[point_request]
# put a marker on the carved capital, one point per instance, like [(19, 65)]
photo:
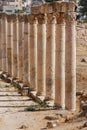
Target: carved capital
[(31, 19), (70, 17), (35, 20), (21, 18), (42, 19), (10, 18), (60, 18), (14, 18), (26, 18)]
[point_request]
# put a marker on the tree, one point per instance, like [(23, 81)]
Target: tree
[(83, 7)]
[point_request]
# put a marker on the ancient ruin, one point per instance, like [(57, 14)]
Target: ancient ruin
[(40, 50)]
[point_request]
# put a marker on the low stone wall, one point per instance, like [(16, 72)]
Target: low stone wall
[(40, 50)]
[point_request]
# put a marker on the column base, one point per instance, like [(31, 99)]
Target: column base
[(41, 98), (50, 103)]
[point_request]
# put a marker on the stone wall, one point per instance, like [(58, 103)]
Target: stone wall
[(40, 50)]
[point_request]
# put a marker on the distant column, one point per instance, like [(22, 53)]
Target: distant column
[(14, 49), (0, 43), (20, 47), (33, 54), (35, 49), (62, 62), (50, 58), (9, 46), (71, 62), (25, 52), (41, 57), (3, 39)]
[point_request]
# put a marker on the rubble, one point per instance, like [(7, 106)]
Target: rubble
[(52, 124), (51, 118)]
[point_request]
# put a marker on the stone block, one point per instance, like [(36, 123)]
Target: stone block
[(52, 124)]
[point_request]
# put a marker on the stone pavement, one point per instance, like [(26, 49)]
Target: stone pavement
[(11, 100)]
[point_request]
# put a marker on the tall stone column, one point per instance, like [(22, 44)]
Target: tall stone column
[(50, 58), (20, 47), (9, 46), (33, 54), (70, 62), (14, 48), (29, 51), (60, 64), (25, 51), (35, 49), (41, 57), (3, 46), (0, 43), (6, 41)]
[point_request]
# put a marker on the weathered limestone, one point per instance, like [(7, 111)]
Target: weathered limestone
[(20, 48), (41, 67), (9, 46), (3, 38), (61, 64), (41, 51), (25, 53), (33, 53), (50, 66), (35, 49), (14, 48), (62, 41), (0, 45), (71, 62)]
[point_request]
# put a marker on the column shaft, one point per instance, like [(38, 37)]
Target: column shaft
[(71, 66), (25, 60), (33, 55), (57, 67), (35, 50), (0, 44), (44, 58), (39, 61), (62, 67), (9, 53), (41, 84), (50, 60), (14, 49), (3, 37), (20, 51), (29, 52)]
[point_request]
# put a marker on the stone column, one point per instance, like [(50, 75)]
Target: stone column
[(41, 57), (29, 52), (9, 42), (14, 48), (25, 51), (33, 53), (20, 47), (3, 37), (60, 64), (35, 49), (70, 62), (0, 43), (6, 42), (73, 65), (50, 58)]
